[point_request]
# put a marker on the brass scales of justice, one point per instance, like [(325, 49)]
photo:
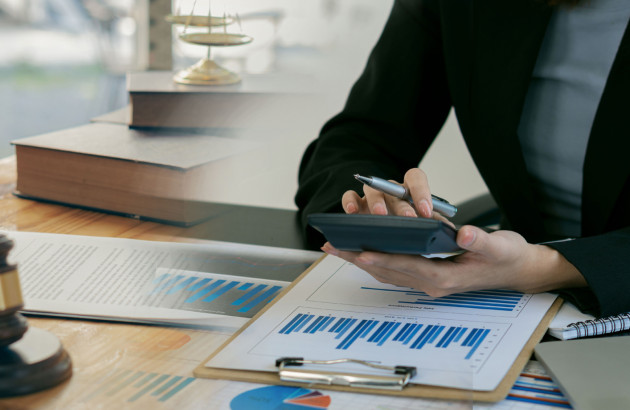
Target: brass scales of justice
[(206, 71)]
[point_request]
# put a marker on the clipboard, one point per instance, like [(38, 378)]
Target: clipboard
[(411, 390)]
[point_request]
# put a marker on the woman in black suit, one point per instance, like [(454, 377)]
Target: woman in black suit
[(541, 93)]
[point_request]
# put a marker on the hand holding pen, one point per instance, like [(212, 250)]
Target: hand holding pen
[(376, 203)]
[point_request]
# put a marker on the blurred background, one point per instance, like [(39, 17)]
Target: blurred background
[(63, 62)]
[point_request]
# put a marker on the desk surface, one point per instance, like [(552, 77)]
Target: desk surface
[(121, 364), (140, 366)]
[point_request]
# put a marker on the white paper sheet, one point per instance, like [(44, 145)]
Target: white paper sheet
[(338, 311), (209, 284)]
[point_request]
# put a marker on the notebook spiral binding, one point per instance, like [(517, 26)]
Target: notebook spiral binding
[(601, 326)]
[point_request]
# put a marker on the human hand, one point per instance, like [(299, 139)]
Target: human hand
[(378, 203), (497, 260)]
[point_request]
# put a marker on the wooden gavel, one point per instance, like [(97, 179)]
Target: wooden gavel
[(30, 359)]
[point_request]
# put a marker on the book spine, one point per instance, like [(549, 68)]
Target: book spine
[(602, 326)]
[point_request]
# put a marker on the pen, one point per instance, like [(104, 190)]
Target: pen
[(439, 205)]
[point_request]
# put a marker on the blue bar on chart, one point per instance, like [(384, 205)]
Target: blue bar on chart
[(212, 293), (416, 336), (497, 300)]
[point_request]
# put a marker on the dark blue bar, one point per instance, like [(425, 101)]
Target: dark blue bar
[(503, 293), (475, 337), (435, 334), (369, 328), (413, 332), (406, 332), (345, 328), (455, 305), (538, 401), (484, 333), (486, 295), (347, 342), (427, 337), (303, 323), (291, 323), (388, 325), (221, 291), (400, 334), (315, 323), (460, 334), (421, 337), (199, 284), (475, 301), (388, 334), (296, 324), (539, 391), (378, 332), (246, 286), (448, 341), (483, 298), (248, 295), (260, 298), (470, 336), (203, 292), (448, 335), (167, 284), (325, 324), (336, 326)]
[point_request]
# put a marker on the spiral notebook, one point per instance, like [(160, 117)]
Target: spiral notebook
[(570, 323)]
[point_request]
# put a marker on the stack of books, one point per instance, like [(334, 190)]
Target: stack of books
[(153, 160)]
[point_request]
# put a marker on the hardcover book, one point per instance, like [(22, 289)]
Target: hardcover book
[(157, 175), (260, 101)]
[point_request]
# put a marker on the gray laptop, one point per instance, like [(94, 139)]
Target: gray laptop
[(592, 373)]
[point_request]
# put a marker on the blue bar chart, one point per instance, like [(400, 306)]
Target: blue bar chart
[(462, 344), (499, 302), (211, 293), (347, 331)]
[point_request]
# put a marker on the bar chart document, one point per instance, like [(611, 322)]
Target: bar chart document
[(198, 284), (466, 340)]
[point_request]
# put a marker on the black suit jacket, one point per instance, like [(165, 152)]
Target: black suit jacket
[(477, 56)]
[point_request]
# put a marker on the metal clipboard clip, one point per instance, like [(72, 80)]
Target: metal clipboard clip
[(401, 377)]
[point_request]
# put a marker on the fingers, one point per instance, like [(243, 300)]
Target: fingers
[(352, 203), (378, 203), (477, 240), (375, 201), (440, 217), (401, 270), (418, 185), (399, 207)]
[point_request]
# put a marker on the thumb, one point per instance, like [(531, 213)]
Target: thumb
[(473, 239)]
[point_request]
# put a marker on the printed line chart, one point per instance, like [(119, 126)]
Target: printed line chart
[(211, 292)]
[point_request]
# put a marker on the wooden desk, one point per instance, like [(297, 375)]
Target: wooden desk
[(132, 365)]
